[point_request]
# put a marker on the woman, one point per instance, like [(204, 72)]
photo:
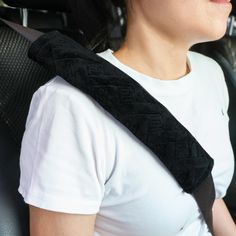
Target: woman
[(83, 173)]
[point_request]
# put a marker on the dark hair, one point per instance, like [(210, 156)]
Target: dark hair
[(102, 22)]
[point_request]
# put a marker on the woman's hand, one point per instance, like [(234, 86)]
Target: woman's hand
[(223, 223)]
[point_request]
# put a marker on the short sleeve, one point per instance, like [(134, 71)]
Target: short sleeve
[(59, 166)]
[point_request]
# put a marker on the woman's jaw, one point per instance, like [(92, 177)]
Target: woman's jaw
[(189, 21)]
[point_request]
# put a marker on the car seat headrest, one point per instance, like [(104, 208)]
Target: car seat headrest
[(90, 16), (54, 5)]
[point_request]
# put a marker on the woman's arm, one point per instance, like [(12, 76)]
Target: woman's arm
[(51, 223), (223, 223)]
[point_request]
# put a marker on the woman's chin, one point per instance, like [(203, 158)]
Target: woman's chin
[(218, 33), (214, 33)]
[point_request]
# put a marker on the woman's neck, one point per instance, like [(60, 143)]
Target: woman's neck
[(153, 53)]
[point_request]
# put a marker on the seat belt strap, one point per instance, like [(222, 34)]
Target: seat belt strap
[(28, 33)]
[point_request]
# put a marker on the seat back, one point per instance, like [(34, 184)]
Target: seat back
[(17, 73), (14, 216)]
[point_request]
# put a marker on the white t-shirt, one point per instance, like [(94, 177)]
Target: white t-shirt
[(77, 158)]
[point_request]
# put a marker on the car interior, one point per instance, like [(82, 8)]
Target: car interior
[(18, 73)]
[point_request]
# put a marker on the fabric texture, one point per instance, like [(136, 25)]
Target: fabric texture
[(76, 138)]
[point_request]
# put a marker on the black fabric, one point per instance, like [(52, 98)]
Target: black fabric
[(134, 107)]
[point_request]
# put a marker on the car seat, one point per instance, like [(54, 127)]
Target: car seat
[(18, 72)]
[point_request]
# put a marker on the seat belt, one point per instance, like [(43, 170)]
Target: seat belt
[(204, 193), (28, 33)]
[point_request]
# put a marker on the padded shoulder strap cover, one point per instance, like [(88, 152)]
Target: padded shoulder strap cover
[(135, 108)]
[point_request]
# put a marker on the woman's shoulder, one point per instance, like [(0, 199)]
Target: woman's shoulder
[(58, 89), (208, 68), (58, 98), (59, 86), (213, 75), (204, 60)]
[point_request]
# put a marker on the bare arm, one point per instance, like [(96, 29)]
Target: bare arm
[(223, 223), (51, 223)]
